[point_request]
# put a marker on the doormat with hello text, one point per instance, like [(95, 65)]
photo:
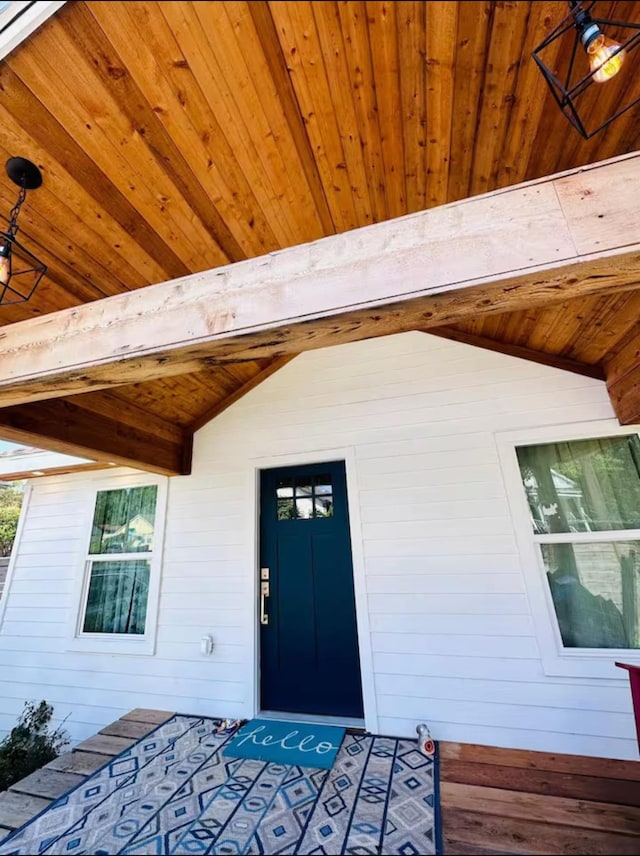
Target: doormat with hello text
[(287, 743)]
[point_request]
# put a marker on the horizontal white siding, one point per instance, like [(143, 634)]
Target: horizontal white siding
[(451, 633), (92, 689)]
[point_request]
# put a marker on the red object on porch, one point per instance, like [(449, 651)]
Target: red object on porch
[(634, 680)]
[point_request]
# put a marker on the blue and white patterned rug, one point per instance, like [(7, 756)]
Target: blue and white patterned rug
[(174, 792)]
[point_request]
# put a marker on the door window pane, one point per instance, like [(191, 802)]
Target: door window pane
[(303, 487), (285, 509), (304, 498), (117, 598), (583, 485), (304, 508), (123, 521), (595, 589), (323, 484), (285, 488), (323, 506)]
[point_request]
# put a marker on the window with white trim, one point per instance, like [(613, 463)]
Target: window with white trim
[(584, 503), (122, 569)]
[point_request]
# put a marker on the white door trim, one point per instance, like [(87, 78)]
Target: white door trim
[(252, 489)]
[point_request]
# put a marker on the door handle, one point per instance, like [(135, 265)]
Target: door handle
[(264, 593)]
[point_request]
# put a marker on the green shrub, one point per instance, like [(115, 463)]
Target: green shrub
[(30, 744), (10, 503)]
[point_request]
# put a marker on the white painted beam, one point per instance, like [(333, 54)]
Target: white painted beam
[(548, 240)]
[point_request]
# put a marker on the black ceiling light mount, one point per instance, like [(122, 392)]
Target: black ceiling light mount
[(20, 270), (576, 87)]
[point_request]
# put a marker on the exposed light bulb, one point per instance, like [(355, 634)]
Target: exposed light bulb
[(603, 65), (5, 265)]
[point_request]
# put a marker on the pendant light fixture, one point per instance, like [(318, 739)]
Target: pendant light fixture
[(20, 270), (582, 51)]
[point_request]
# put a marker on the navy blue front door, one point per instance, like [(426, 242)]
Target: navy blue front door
[(309, 645)]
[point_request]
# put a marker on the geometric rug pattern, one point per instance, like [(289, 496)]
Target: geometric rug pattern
[(175, 792)]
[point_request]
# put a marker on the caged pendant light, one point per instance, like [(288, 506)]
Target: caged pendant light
[(588, 56), (20, 270)]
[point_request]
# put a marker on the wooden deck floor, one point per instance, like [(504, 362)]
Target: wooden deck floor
[(494, 801), (503, 801), (34, 793)]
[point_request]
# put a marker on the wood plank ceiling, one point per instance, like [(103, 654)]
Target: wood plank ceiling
[(178, 137)]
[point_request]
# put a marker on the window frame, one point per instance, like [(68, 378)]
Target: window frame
[(556, 659), (119, 643)]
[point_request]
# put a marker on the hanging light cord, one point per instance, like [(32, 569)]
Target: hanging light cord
[(13, 216)]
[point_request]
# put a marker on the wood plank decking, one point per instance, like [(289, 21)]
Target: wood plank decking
[(494, 801), (34, 793), (503, 801)]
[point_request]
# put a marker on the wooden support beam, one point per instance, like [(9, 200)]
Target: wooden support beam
[(622, 368), (549, 240), (65, 426), (19, 474), (523, 353)]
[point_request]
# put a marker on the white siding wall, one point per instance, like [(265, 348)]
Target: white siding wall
[(451, 630)]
